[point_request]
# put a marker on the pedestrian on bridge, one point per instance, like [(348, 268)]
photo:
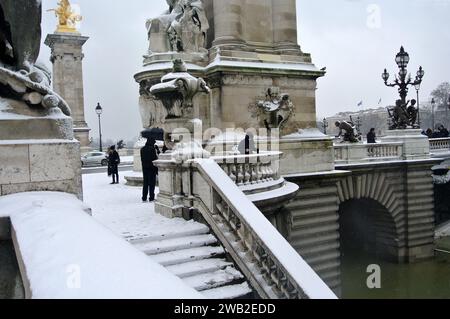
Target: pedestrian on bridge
[(371, 136), (113, 164), (149, 154)]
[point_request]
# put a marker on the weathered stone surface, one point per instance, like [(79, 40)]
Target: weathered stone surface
[(15, 165), (415, 145), (44, 165), (44, 156), (306, 156), (21, 26), (67, 59)]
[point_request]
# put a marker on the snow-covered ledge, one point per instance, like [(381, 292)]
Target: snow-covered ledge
[(65, 254), (269, 262)]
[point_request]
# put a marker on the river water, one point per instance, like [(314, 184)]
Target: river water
[(425, 280)]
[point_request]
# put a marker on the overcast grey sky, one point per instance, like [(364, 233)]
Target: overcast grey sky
[(354, 39)]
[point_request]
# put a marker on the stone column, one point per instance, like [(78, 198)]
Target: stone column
[(228, 23), (284, 15), (66, 57)]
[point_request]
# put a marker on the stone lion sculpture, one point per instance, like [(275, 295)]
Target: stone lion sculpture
[(24, 85)]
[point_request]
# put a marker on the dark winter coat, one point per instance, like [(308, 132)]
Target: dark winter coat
[(113, 163), (371, 138), (148, 156)]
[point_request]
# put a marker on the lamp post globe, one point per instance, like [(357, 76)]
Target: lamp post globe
[(385, 76), (402, 58), (420, 73), (98, 109)]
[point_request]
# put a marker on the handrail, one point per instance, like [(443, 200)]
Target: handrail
[(269, 262), (440, 144), (354, 153), (251, 169)]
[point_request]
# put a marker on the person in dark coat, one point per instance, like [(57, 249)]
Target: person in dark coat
[(443, 132), (371, 136), (113, 164), (247, 145), (149, 154)]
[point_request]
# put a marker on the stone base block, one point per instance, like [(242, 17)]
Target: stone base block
[(415, 145), (41, 128), (40, 165), (82, 135), (421, 253), (169, 211), (301, 155)]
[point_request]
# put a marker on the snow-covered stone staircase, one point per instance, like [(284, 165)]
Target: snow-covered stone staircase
[(199, 260)]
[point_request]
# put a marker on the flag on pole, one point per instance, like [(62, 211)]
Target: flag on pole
[(360, 104), (379, 102)]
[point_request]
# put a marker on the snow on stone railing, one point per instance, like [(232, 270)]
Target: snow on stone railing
[(271, 265), (440, 144), (63, 253), (246, 170), (360, 153)]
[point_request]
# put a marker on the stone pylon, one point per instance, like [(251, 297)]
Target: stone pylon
[(67, 59)]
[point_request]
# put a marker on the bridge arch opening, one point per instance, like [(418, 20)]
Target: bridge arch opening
[(367, 227)]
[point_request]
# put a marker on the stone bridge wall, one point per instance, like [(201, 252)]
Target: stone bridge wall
[(405, 189)]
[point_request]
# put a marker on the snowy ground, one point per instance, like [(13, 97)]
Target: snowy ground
[(119, 207), (127, 159)]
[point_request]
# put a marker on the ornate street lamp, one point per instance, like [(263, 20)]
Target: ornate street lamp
[(446, 112), (433, 105), (325, 126), (403, 80), (99, 112), (358, 124)]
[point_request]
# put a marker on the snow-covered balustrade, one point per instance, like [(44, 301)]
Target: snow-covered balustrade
[(360, 153), (440, 144), (270, 264), (252, 169), (64, 253)]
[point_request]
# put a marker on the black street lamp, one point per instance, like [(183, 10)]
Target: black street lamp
[(99, 112), (417, 86), (325, 126), (433, 105), (358, 124), (446, 111), (403, 80)]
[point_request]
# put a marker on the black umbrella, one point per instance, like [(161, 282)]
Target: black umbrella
[(156, 133)]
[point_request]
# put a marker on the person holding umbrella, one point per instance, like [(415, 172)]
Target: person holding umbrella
[(149, 154)]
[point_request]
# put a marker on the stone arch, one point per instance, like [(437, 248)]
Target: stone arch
[(374, 193), (374, 186)]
